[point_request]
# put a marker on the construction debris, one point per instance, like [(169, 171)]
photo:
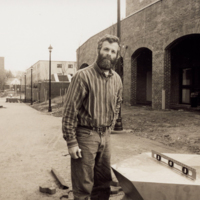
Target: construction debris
[(59, 179), (48, 190)]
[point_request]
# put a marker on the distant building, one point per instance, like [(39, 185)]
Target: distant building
[(2, 73), (12, 83), (1, 63), (40, 71)]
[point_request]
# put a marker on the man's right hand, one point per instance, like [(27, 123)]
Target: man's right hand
[(75, 152)]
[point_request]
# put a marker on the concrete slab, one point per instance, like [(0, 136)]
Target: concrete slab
[(142, 177), (12, 100)]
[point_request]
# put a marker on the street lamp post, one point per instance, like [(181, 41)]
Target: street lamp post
[(20, 88), (25, 88), (31, 84), (50, 49)]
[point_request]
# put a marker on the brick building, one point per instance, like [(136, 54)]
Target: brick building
[(160, 45), (12, 83), (2, 63)]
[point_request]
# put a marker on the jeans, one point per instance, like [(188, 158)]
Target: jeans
[(91, 174)]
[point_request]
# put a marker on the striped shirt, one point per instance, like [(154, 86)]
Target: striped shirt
[(92, 100)]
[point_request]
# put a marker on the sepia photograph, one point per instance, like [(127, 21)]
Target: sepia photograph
[(99, 99)]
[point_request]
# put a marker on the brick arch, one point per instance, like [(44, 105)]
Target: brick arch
[(137, 47), (173, 65), (179, 37), (139, 70), (174, 41)]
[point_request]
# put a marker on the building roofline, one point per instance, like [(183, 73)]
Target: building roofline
[(143, 8), (51, 61), (94, 36)]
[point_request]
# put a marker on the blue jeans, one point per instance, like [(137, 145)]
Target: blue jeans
[(91, 174)]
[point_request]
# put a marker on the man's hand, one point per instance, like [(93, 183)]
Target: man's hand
[(75, 152)]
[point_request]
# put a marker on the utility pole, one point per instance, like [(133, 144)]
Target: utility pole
[(25, 88), (118, 21), (31, 85), (118, 125)]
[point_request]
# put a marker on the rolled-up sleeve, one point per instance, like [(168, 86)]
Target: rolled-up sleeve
[(73, 101)]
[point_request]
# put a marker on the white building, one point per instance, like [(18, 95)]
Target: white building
[(40, 71)]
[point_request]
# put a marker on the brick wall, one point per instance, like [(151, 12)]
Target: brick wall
[(136, 5), (155, 28)]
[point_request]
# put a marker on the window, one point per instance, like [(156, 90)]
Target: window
[(70, 66), (59, 65)]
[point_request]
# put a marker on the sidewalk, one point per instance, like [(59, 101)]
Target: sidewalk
[(31, 145)]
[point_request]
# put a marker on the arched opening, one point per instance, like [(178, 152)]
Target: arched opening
[(141, 77), (185, 70), (84, 65)]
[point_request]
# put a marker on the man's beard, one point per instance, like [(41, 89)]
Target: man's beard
[(105, 62)]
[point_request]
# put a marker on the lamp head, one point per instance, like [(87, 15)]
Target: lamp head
[(50, 48)]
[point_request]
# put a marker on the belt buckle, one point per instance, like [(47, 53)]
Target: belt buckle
[(102, 129), (99, 129)]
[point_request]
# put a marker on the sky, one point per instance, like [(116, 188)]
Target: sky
[(29, 27)]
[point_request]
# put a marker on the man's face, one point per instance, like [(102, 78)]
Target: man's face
[(107, 56)]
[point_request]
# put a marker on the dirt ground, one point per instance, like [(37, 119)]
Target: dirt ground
[(178, 128)]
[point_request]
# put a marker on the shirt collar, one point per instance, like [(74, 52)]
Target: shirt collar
[(99, 70)]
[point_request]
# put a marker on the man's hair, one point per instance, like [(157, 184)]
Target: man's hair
[(109, 38)]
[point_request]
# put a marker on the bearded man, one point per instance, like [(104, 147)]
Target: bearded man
[(91, 108)]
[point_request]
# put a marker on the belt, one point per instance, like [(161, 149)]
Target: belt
[(97, 129)]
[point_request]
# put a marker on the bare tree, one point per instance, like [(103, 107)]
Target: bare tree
[(9, 74), (64, 70)]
